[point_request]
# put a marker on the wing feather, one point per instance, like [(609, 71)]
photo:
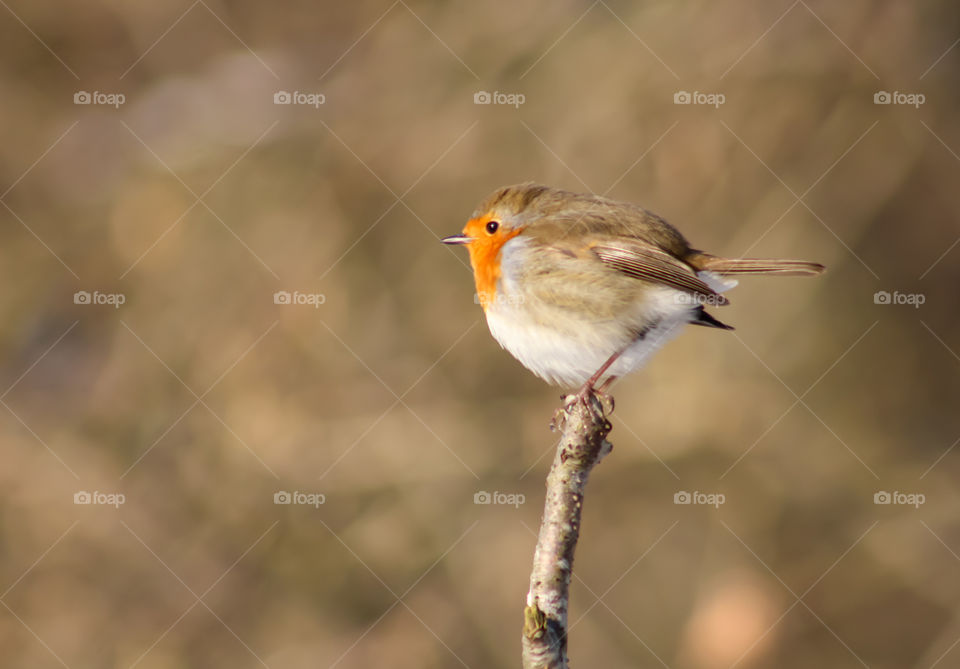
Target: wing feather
[(648, 263)]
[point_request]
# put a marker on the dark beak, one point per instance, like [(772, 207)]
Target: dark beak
[(457, 240)]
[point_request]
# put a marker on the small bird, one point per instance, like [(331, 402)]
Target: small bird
[(582, 289)]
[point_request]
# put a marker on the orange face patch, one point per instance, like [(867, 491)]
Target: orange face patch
[(485, 253)]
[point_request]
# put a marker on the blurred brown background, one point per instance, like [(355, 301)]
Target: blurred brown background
[(199, 398)]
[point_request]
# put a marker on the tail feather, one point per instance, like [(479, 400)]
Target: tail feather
[(701, 317), (779, 266)]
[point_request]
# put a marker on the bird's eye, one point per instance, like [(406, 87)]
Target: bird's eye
[(492, 227)]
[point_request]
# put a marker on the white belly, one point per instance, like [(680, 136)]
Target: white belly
[(569, 355)]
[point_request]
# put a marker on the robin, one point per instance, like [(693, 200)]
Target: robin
[(582, 289)]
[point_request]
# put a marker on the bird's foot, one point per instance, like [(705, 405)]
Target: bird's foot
[(595, 400)]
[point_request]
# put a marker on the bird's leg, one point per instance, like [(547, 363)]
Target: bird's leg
[(594, 397), (590, 387), (606, 384)]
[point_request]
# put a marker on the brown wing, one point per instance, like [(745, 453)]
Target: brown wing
[(646, 262)]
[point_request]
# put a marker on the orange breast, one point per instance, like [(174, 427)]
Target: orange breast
[(485, 257)]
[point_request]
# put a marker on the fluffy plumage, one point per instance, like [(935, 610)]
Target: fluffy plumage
[(568, 280)]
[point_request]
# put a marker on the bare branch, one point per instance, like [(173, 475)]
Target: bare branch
[(584, 428)]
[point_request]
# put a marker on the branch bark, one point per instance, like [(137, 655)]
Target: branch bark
[(584, 427)]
